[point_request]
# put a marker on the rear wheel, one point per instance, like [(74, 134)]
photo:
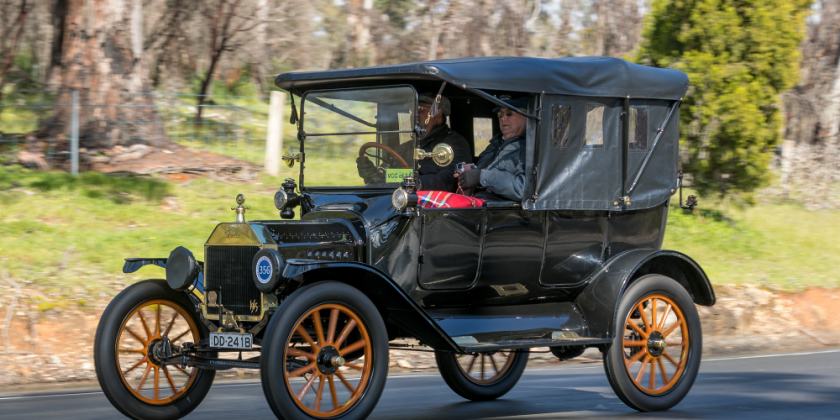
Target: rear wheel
[(128, 368), (655, 356), (325, 354), (482, 376)]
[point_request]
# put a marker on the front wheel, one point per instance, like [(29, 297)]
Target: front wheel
[(482, 376), (655, 355), (129, 371), (325, 354)]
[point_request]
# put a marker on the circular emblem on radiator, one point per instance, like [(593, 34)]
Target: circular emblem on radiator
[(264, 269)]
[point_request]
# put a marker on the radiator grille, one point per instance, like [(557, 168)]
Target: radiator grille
[(230, 268)]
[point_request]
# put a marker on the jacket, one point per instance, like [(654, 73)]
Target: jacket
[(502, 166)]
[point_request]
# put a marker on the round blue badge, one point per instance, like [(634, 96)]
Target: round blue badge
[(264, 269)]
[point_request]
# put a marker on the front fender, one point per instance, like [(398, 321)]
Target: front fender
[(599, 301), (396, 307)]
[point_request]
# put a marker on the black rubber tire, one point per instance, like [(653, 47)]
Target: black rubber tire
[(280, 328), (624, 386), (459, 382), (104, 354), (567, 352)]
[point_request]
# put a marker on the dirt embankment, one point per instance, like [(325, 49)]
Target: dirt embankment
[(56, 345)]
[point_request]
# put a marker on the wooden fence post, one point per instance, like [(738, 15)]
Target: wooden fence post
[(274, 138)]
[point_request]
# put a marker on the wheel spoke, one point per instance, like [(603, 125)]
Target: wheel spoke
[(300, 371), (179, 336), (634, 343), (354, 366), (135, 366), (671, 344), (351, 348), (344, 333), (664, 317), (653, 315), (157, 383), (673, 327), (182, 370), (332, 392), (331, 327), (143, 378), (662, 369), (670, 359), (472, 362), (145, 325), (157, 320), (171, 382), (140, 351), (306, 387), (493, 362), (636, 328), (641, 309), (636, 357), (653, 371), (135, 335), (344, 381), (319, 328), (319, 394), (303, 334), (642, 369), (171, 323), (482, 366), (294, 352)]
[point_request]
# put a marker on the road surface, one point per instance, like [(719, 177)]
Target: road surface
[(777, 386)]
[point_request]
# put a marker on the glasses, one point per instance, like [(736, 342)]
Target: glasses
[(504, 113)]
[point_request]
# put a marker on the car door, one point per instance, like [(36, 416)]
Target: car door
[(450, 248)]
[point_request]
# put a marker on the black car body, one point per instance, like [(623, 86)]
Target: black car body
[(557, 269)]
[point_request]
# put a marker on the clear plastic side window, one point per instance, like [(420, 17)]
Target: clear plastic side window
[(561, 117), (482, 133), (594, 127), (638, 129)]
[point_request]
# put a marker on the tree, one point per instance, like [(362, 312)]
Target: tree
[(740, 55), (99, 53), (15, 28)]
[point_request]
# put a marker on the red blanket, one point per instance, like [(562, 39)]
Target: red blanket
[(443, 199)]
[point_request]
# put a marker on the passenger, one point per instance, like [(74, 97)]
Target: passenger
[(432, 177), (500, 170)]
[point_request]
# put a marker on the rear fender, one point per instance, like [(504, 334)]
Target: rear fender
[(396, 307), (599, 301)]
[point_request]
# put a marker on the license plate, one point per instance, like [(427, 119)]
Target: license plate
[(231, 341)]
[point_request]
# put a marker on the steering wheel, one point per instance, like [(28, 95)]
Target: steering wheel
[(387, 149)]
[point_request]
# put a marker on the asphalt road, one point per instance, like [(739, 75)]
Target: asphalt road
[(778, 386)]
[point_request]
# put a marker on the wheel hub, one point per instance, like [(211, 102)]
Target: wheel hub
[(153, 351), (656, 344), (329, 360)]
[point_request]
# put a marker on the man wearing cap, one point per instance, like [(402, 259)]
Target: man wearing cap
[(500, 169), (432, 177)]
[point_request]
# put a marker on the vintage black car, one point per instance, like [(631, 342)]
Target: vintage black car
[(577, 263)]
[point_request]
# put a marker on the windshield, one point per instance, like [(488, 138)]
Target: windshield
[(341, 124)]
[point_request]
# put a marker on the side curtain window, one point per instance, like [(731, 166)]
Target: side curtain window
[(561, 117), (638, 129), (594, 127), (482, 133)]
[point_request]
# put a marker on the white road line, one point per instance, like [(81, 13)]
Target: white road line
[(533, 370)]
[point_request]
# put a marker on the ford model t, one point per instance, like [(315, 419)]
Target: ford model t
[(317, 301)]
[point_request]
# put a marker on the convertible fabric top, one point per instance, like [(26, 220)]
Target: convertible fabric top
[(578, 76)]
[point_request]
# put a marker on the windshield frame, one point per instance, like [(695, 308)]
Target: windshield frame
[(301, 135)]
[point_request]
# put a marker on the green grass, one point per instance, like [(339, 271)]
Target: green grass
[(97, 220), (779, 245)]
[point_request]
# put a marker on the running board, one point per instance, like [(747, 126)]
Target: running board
[(475, 346)]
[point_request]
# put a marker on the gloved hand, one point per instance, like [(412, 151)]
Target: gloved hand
[(366, 168), (469, 179)]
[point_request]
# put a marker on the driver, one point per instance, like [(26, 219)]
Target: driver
[(432, 177)]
